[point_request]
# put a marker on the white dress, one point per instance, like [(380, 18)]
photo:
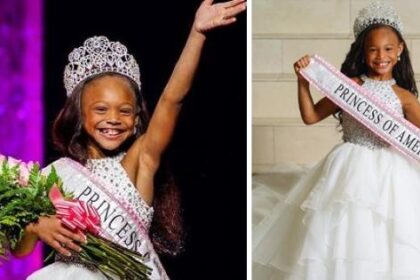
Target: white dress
[(354, 216), (112, 174)]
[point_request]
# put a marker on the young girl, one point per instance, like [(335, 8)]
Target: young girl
[(113, 152), (356, 214)]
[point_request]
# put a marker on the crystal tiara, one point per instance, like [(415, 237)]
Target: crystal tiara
[(377, 13), (99, 55)]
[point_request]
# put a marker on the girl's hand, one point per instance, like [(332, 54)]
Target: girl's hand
[(50, 230), (210, 16), (300, 64)]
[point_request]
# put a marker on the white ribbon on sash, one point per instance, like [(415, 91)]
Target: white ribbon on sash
[(364, 106), (119, 221)]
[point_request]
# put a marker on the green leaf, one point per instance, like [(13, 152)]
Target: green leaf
[(34, 176)]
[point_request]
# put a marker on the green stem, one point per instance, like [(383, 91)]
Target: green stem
[(115, 255)]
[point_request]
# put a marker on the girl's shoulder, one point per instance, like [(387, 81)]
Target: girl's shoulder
[(358, 80), (406, 97)]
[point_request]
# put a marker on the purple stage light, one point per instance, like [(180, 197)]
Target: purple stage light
[(21, 114)]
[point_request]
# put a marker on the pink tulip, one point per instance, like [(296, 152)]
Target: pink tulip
[(13, 162), (55, 195), (24, 175), (24, 169), (30, 165)]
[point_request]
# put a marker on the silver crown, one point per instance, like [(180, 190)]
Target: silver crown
[(377, 13), (99, 55)]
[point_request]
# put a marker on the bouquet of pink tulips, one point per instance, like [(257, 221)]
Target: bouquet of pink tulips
[(25, 196)]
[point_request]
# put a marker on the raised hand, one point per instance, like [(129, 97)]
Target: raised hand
[(210, 16), (300, 64)]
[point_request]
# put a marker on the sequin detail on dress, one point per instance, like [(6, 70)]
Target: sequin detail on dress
[(357, 133), (111, 171)]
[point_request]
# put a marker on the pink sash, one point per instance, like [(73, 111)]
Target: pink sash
[(364, 106), (119, 221)]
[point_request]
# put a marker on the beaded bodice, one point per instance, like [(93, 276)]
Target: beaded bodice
[(357, 133), (111, 171)]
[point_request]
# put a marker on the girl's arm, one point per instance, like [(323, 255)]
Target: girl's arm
[(311, 113), (162, 123), (27, 244), (49, 230), (149, 148)]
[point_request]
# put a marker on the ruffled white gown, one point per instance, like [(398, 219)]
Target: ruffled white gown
[(354, 216)]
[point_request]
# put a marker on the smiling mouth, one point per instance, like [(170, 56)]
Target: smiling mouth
[(110, 132), (382, 64)]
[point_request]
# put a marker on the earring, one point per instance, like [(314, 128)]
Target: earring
[(135, 131), (399, 58)]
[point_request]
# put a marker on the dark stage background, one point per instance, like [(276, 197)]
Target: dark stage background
[(208, 153)]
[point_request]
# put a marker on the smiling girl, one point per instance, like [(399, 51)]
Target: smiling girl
[(356, 214), (106, 136)]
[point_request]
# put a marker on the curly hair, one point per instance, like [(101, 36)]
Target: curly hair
[(70, 138)]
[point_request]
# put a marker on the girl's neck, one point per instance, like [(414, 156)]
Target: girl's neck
[(379, 77), (94, 153)]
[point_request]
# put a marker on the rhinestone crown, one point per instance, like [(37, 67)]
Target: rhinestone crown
[(377, 13), (99, 55)]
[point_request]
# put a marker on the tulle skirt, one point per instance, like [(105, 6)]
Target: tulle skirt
[(354, 216)]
